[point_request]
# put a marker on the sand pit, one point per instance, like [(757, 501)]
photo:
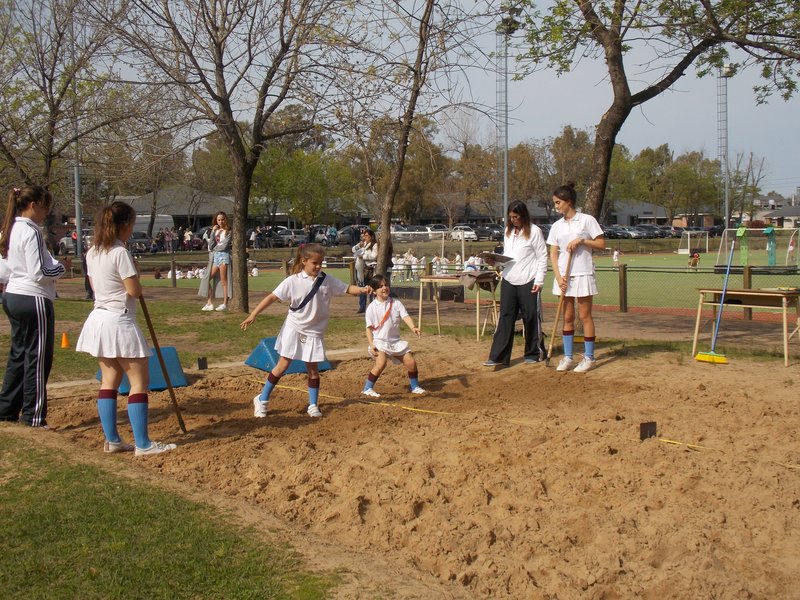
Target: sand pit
[(515, 483)]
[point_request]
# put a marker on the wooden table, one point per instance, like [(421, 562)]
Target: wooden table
[(770, 298), (483, 277)]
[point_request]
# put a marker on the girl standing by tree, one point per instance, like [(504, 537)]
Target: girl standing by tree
[(579, 234), (219, 263)]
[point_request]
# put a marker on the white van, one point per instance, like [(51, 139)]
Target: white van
[(161, 222)]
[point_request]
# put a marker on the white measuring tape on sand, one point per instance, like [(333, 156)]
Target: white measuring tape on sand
[(522, 423)]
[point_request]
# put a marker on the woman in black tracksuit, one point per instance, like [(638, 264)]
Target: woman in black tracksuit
[(28, 303)]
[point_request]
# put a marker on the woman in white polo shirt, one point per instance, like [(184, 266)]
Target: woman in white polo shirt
[(111, 333), (579, 234)]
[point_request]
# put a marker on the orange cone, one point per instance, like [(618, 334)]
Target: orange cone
[(64, 340)]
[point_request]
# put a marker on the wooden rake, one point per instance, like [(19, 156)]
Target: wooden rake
[(558, 312)]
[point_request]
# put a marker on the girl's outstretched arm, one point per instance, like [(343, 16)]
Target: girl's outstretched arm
[(354, 290), (410, 322), (262, 306)]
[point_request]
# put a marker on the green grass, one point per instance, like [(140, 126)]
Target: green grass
[(76, 531)]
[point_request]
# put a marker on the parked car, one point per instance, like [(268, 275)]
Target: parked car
[(291, 237), (413, 233), (652, 231), (139, 242), (66, 245), (489, 231), (465, 232), (347, 236), (617, 232), (436, 231)]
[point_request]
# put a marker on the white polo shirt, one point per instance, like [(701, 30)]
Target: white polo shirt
[(108, 270), (581, 226), (313, 318)]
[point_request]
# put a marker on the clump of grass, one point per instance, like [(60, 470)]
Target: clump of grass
[(95, 535)]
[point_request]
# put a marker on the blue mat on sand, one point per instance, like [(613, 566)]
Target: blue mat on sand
[(264, 357)]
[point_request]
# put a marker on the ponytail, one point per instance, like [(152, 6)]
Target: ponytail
[(18, 200), (304, 251), (109, 222)]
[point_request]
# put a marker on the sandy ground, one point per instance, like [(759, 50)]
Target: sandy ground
[(512, 483)]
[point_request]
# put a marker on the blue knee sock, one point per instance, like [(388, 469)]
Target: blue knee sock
[(137, 414), (413, 379), (107, 410), (568, 338), (313, 391), (370, 382), (269, 384), (588, 347)]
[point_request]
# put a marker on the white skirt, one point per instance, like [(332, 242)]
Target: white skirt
[(579, 286), (291, 344), (108, 334), (394, 350)]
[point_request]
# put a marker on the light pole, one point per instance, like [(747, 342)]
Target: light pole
[(77, 170), (725, 72), (506, 28)]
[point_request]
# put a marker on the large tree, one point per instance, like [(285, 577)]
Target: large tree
[(406, 68), (226, 63), (58, 88), (664, 38)]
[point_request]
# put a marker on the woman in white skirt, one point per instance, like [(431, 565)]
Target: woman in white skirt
[(309, 293), (579, 234), (111, 333)]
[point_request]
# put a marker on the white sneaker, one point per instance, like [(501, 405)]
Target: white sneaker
[(155, 448), (221, 307), (115, 447), (259, 407), (587, 364), (313, 411), (565, 364), (418, 390), (208, 307), (371, 393)]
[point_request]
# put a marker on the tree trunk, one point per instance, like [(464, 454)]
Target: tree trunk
[(419, 71), (241, 195)]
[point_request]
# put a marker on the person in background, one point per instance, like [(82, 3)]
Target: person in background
[(308, 292), (360, 269), (28, 302), (219, 263), (111, 333), (577, 234), (520, 287)]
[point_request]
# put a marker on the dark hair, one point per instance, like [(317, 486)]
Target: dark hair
[(224, 214), (18, 200), (373, 238), (566, 193), (378, 281), (109, 222), (520, 208), (304, 251)]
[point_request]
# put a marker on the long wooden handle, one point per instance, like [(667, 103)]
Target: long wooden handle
[(559, 310), (163, 364)]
